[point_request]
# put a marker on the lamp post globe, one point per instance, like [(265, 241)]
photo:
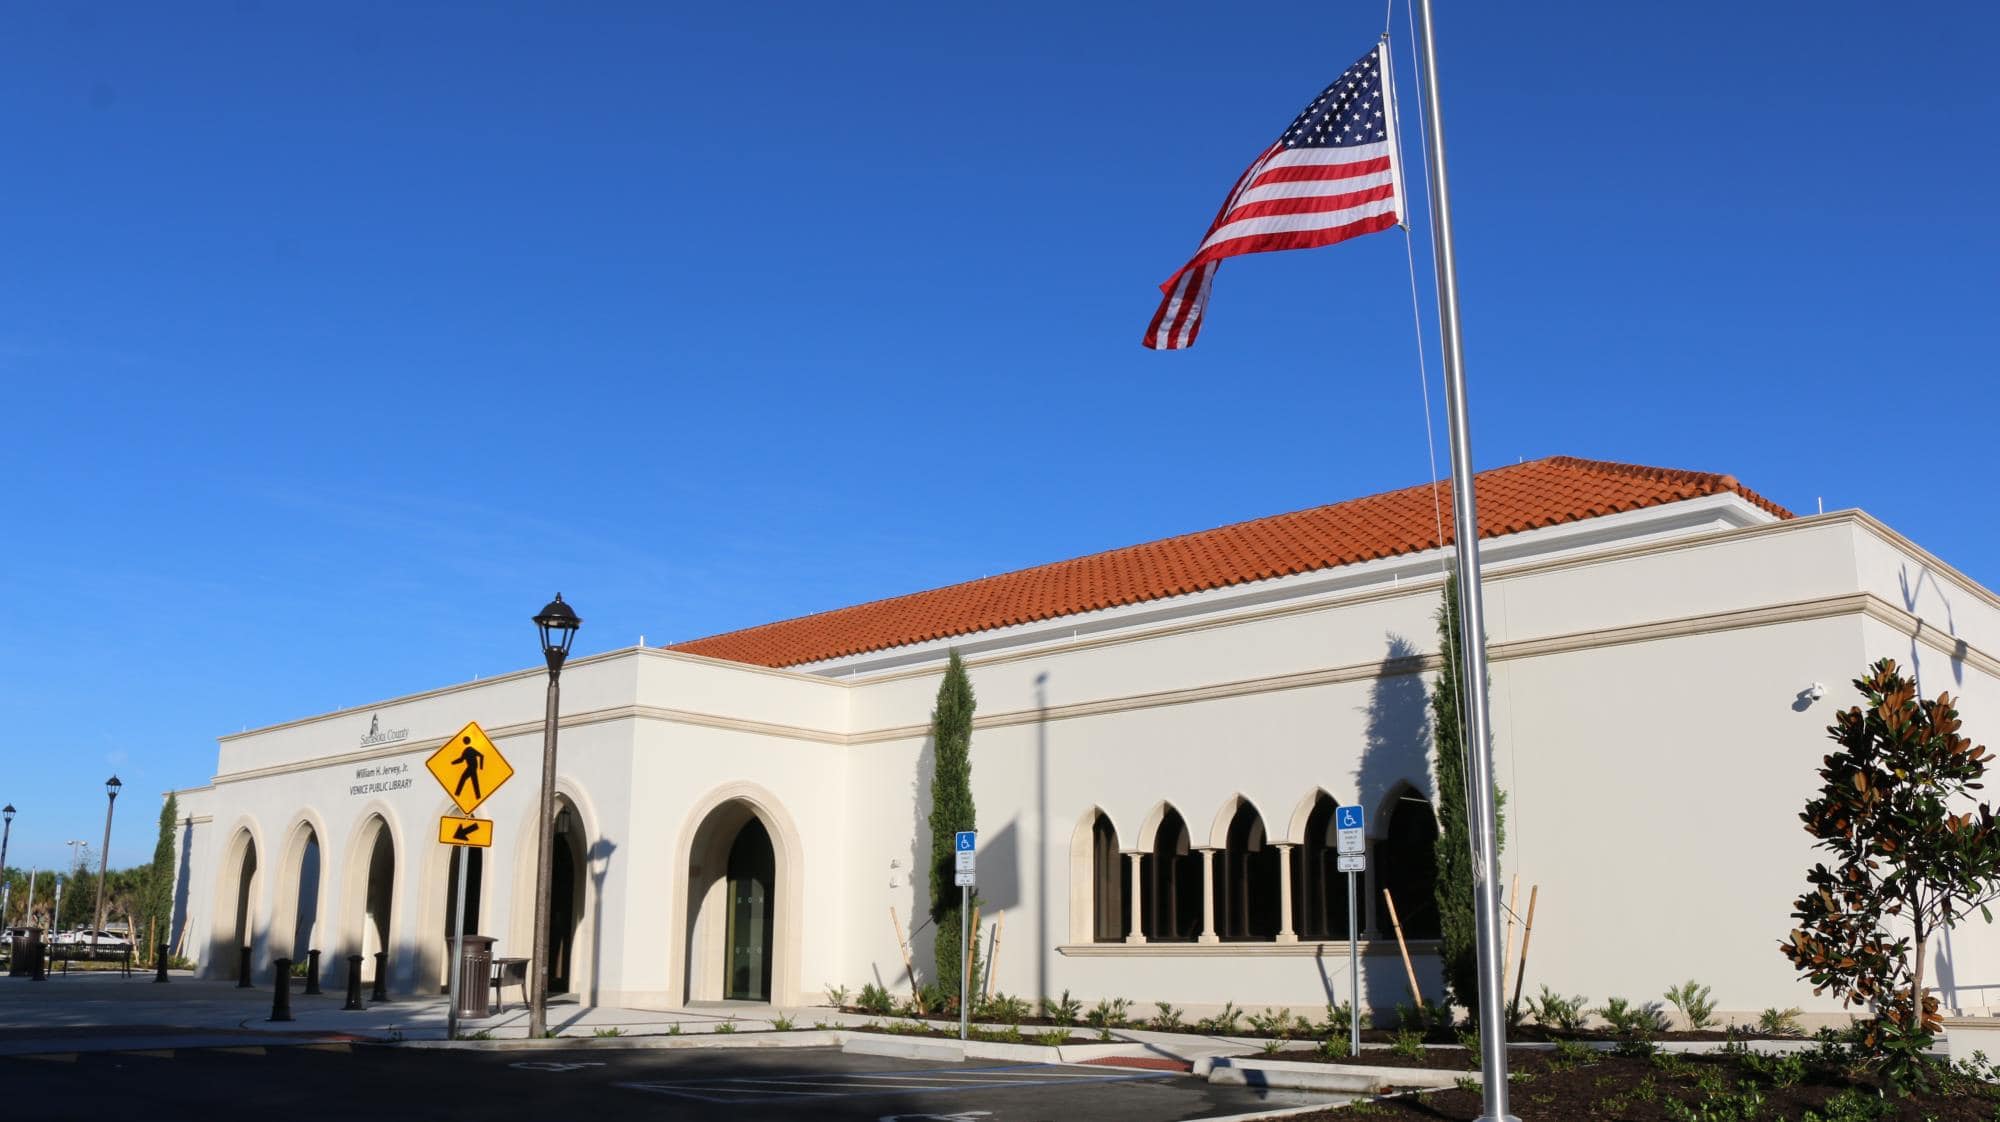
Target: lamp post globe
[(111, 787), (558, 623)]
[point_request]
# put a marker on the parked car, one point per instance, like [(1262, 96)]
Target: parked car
[(95, 944)]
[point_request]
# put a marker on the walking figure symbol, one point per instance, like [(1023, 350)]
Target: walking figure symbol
[(473, 760)]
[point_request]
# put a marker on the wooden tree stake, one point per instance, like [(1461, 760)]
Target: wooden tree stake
[(1416, 994), (1527, 932), (1507, 945), (993, 956), (896, 925)]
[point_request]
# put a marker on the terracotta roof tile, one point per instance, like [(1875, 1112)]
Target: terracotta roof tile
[(1511, 499)]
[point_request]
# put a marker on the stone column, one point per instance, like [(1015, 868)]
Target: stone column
[(1285, 932), (1208, 934), (1136, 931)]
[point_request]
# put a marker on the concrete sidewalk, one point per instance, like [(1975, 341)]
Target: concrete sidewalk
[(108, 1012)]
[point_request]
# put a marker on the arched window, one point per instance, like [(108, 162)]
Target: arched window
[(1173, 884), (1406, 864), (1249, 900), (1110, 884), (1319, 888)]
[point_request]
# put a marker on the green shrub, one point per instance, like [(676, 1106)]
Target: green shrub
[(1638, 1022), (1223, 1023), (1553, 1010), (1063, 1011), (1168, 1018), (875, 1000), (1272, 1045), (1780, 1022), (1335, 1048), (726, 1026), (836, 996), (1001, 1007), (1052, 1038), (674, 1029), (613, 1030), (1850, 1105), (1278, 1023), (1694, 1001), (783, 1023), (1109, 1013), (1408, 1042), (1339, 1018)]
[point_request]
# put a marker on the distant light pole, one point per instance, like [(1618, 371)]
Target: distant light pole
[(6, 882), (75, 864), (111, 786), (558, 625)]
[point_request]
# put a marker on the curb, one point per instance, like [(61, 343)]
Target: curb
[(1352, 1079), (798, 1038)]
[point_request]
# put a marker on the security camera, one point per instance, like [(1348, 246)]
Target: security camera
[(1815, 691)]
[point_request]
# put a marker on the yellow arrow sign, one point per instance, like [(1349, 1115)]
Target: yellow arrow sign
[(469, 767), (465, 831)]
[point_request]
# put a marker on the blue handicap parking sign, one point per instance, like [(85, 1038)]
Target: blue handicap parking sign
[(965, 839), (1348, 818)]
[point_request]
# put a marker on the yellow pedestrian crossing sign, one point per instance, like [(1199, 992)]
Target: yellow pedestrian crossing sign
[(469, 767)]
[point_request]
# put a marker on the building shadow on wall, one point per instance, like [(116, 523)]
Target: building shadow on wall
[(599, 861), (923, 956), (1395, 768), (178, 923)]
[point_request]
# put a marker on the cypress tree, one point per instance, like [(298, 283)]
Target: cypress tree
[(157, 898), (951, 811), (1457, 939)]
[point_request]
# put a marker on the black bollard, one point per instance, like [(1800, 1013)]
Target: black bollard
[(312, 973), (353, 982), (160, 967), (381, 991), (281, 993), (243, 968)]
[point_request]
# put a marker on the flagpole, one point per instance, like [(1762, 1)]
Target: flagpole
[(1471, 613)]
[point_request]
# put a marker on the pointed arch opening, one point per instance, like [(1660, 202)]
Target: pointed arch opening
[(1173, 882), (295, 912), (1319, 888), (369, 896), (1249, 893), (738, 905), (1406, 865), (1110, 884)]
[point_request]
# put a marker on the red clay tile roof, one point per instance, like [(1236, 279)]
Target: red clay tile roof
[(1522, 497)]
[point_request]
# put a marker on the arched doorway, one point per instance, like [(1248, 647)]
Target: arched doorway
[(566, 873), (369, 895), (295, 912), (740, 910), (235, 921), (753, 873)]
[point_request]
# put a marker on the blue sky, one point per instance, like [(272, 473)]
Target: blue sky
[(337, 337)]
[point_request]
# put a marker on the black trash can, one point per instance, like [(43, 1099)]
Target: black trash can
[(475, 978), (24, 951)]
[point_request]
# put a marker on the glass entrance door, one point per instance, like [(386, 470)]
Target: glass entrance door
[(752, 871)]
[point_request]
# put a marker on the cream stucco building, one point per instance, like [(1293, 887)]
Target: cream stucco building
[(1163, 732)]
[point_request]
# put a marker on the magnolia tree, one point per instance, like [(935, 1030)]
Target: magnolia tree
[(1910, 851)]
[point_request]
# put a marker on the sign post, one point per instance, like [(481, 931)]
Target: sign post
[(1351, 856), (467, 759), (966, 845)]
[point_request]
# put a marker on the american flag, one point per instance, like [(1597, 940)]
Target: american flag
[(1330, 177)]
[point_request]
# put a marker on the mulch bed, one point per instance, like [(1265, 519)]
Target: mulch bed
[(1667, 1088), (1436, 1034), (1430, 1059), (984, 1034)]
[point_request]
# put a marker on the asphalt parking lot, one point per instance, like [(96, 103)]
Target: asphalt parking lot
[(382, 1083)]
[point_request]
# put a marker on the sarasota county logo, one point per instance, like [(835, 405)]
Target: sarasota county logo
[(376, 734)]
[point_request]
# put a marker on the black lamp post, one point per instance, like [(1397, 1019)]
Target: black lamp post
[(111, 786), (558, 625), (6, 835)]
